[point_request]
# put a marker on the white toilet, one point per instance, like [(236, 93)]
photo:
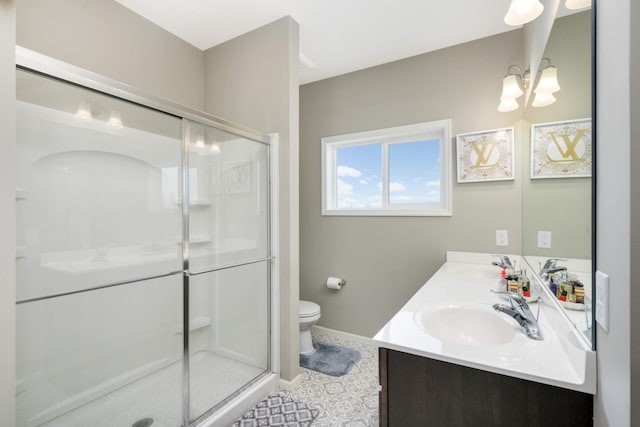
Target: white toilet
[(308, 315)]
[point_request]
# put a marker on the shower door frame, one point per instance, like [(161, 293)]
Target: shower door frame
[(35, 62)]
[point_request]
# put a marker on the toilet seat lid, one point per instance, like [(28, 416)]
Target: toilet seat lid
[(308, 308)]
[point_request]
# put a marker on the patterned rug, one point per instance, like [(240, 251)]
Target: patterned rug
[(330, 359), (278, 410)]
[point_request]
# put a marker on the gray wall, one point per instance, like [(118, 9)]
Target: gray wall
[(386, 259), (109, 39), (613, 401), (562, 206), (7, 212), (253, 80)]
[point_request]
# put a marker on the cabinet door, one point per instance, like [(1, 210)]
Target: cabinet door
[(417, 391)]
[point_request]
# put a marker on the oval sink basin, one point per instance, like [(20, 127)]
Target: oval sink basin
[(466, 324)]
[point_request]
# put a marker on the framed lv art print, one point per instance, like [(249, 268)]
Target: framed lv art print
[(561, 149), (485, 156)]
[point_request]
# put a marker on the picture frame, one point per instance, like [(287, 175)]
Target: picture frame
[(561, 149), (485, 156)]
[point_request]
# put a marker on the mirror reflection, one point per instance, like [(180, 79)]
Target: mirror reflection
[(557, 223)]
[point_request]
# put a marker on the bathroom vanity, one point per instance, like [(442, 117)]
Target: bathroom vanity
[(421, 391), (448, 358)]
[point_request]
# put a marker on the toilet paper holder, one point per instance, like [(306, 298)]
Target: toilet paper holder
[(335, 283)]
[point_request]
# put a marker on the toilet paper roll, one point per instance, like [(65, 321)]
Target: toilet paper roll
[(335, 283)]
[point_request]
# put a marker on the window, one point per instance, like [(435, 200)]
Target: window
[(403, 171)]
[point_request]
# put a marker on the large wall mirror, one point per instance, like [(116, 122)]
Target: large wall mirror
[(557, 189)]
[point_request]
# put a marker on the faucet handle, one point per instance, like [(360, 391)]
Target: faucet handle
[(505, 262), (513, 297), (520, 303), (551, 262), (549, 265)]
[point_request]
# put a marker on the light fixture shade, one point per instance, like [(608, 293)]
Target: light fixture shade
[(507, 105), (510, 88), (543, 99), (548, 81), (577, 4), (523, 11)]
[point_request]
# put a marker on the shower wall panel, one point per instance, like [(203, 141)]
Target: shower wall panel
[(228, 198), (98, 189)]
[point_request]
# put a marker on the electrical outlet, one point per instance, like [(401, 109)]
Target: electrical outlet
[(602, 300), (544, 239), (502, 238)]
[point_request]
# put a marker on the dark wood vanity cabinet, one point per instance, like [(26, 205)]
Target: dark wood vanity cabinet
[(417, 391)]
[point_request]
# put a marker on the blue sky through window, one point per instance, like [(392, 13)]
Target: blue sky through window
[(414, 174), (359, 176)]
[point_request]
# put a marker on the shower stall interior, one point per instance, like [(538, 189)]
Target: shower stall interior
[(143, 256)]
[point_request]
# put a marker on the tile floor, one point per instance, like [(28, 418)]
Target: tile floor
[(350, 400)]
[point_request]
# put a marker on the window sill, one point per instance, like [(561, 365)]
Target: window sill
[(387, 212)]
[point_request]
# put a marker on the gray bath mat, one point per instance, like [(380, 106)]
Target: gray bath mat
[(330, 359), (278, 410)]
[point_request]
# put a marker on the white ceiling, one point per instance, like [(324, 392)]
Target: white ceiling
[(336, 36)]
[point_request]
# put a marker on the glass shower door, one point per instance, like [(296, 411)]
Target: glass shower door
[(99, 261), (228, 199), (128, 221), (228, 265)]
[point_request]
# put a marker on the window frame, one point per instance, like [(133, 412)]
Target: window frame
[(439, 129)]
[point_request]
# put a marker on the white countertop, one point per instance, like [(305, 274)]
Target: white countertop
[(466, 279)]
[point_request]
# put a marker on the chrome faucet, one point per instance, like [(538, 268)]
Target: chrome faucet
[(505, 262), (520, 311), (550, 267)]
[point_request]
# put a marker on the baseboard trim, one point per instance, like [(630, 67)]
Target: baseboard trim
[(290, 385), (345, 335)]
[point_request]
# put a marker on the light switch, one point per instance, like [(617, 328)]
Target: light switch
[(602, 300)]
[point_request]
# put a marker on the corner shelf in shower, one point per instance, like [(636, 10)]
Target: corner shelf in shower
[(196, 203), (194, 324), (21, 252), (200, 240), (197, 240), (21, 193)]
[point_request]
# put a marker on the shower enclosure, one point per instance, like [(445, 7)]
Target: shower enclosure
[(143, 259)]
